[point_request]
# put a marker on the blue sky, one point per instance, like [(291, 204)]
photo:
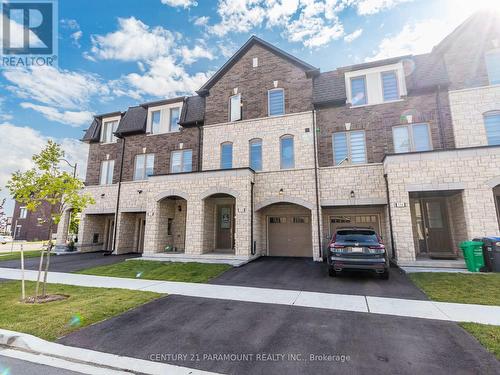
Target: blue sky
[(117, 53)]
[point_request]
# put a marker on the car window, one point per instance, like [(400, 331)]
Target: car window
[(356, 236)]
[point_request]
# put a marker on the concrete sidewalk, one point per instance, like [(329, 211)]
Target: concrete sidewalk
[(377, 305)]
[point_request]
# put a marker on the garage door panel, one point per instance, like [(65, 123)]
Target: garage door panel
[(357, 220), (290, 235)]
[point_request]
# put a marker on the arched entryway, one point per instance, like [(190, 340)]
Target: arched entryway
[(285, 229), (496, 194), (172, 211), (219, 213)]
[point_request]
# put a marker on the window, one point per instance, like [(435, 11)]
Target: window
[(256, 154), (155, 122), (350, 147), (493, 66), (390, 89), (358, 91), (286, 152), (23, 213), (276, 102), (174, 119), (492, 125), (408, 138), (144, 165), (107, 167), (226, 155), (235, 108), (181, 161), (108, 128), (170, 223)]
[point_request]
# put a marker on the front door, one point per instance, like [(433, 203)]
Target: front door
[(224, 230), (436, 227)]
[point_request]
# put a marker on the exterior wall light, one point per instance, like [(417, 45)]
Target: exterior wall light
[(353, 195)]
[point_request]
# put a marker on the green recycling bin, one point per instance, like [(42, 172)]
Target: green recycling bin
[(473, 255)]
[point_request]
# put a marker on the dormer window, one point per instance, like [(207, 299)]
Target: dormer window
[(108, 130), (390, 89), (358, 91), (276, 102), (164, 119), (235, 108)]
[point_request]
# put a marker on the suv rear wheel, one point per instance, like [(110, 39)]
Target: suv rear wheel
[(384, 275)]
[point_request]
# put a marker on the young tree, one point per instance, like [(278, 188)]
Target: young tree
[(47, 184), (3, 217)]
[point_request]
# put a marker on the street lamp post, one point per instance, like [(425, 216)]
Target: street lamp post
[(71, 165)]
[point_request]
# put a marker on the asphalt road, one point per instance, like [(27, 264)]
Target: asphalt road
[(198, 332), (12, 366), (306, 274), (70, 263)]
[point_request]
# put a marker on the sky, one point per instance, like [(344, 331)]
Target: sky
[(117, 53)]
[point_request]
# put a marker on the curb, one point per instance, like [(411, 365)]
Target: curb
[(30, 344)]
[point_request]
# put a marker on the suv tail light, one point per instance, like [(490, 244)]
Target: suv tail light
[(377, 249)]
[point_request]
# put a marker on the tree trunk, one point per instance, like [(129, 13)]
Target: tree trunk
[(23, 289), (39, 274), (47, 263)]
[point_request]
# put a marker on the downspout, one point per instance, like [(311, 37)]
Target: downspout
[(440, 117), (252, 247), (316, 183), (120, 176), (393, 254), (200, 143)]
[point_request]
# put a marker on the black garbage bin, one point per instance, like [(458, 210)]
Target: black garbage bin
[(491, 253)]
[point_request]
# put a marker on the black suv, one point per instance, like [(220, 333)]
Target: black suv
[(357, 248)]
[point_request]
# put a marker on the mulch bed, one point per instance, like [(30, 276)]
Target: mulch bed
[(46, 299)]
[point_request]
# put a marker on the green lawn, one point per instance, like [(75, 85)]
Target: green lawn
[(55, 319), (487, 335), (17, 255), (478, 289), (152, 270)]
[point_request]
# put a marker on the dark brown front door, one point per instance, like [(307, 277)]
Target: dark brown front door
[(437, 229), (224, 228)]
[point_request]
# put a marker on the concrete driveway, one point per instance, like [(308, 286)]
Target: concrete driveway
[(274, 339), (70, 263), (306, 274)]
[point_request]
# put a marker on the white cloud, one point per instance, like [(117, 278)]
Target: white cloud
[(19, 143), (349, 38), (165, 78), (76, 36), (133, 41), (238, 15), (201, 21), (180, 3), (71, 118), (54, 87), (368, 7), (414, 38), (189, 56)]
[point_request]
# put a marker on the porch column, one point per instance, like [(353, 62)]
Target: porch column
[(480, 212), (152, 231), (314, 233), (62, 230), (242, 230), (194, 226)]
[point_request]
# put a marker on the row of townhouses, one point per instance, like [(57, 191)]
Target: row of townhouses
[(272, 155)]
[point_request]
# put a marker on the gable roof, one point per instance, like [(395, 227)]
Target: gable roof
[(309, 69)]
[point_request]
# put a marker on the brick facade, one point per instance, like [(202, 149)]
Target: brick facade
[(34, 227), (253, 84), (378, 120)]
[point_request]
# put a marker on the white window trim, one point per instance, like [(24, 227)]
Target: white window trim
[(106, 120), (285, 136), (410, 135), (397, 85), (232, 154), (366, 90), (230, 109), (112, 171), (269, 101), (250, 143), (21, 210), (165, 123), (372, 72), (182, 159), (145, 163), (349, 151)]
